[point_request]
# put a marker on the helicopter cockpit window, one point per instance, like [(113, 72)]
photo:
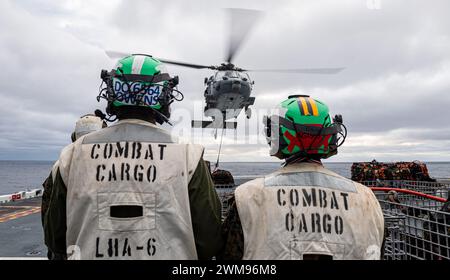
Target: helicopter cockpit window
[(245, 76)]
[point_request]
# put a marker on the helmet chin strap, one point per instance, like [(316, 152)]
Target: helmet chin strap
[(300, 157), (163, 118), (101, 115)]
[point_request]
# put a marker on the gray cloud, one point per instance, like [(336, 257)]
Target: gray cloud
[(393, 93)]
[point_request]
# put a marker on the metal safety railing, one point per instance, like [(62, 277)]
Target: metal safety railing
[(415, 226), (394, 247), (412, 197)]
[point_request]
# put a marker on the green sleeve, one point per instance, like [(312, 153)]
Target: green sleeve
[(47, 185), (55, 219), (206, 211), (232, 234)]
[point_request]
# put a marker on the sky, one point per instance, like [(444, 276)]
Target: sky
[(393, 94)]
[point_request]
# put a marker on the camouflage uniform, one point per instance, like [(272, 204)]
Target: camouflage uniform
[(232, 234)]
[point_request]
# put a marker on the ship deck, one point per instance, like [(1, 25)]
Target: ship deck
[(21, 232)]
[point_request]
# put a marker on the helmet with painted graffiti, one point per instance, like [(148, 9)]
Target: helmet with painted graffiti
[(302, 126), (87, 124), (140, 81)]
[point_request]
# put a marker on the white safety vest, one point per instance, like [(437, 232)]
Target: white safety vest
[(305, 209), (55, 167), (127, 194)]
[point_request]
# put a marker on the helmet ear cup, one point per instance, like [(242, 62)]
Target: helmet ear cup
[(272, 131), (166, 99), (110, 109), (267, 126)]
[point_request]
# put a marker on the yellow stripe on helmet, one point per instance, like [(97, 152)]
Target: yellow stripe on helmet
[(315, 111), (304, 106)]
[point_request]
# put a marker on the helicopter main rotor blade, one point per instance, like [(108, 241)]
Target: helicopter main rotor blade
[(185, 64), (300, 70), (115, 55), (241, 22)]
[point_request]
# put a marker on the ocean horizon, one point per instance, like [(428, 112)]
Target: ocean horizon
[(20, 175)]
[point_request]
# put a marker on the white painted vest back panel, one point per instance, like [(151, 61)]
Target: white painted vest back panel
[(118, 167), (304, 209)]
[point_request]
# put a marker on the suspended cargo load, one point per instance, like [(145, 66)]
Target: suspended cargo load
[(374, 170), (222, 178)]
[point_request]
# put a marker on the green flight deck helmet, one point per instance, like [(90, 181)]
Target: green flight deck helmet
[(140, 81), (302, 126)]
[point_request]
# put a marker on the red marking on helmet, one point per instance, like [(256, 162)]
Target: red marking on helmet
[(294, 141), (306, 141), (314, 142)]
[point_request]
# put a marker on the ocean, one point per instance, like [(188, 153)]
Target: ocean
[(18, 176)]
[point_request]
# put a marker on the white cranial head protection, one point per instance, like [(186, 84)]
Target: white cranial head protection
[(87, 124)]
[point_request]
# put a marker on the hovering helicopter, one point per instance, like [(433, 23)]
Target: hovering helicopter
[(228, 90)]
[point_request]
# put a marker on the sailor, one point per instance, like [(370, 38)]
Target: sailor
[(303, 210), (84, 125), (392, 196), (132, 190)]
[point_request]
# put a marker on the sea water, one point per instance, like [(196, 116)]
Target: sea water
[(18, 176)]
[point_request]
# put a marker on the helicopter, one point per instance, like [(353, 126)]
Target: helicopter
[(228, 90)]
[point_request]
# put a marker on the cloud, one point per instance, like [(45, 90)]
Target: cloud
[(393, 93)]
